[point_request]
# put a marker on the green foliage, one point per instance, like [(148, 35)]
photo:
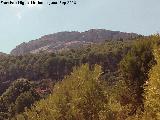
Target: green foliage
[(114, 91), (18, 96), (135, 66), (80, 96), (13, 92), (55, 66), (152, 90), (25, 99)]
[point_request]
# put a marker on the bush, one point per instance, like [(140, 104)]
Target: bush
[(80, 96), (152, 90)]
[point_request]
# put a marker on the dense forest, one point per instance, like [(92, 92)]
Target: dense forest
[(113, 80)]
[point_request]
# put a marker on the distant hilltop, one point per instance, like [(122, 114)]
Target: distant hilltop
[(2, 54), (66, 40)]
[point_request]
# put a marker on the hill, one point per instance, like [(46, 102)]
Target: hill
[(3, 54), (86, 78), (66, 40)]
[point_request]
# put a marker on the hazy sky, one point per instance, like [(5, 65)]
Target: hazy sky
[(22, 24)]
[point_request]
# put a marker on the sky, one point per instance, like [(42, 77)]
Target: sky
[(24, 23)]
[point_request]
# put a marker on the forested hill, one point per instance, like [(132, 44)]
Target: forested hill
[(113, 80), (66, 40)]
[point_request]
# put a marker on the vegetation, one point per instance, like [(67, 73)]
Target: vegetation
[(152, 88), (80, 96), (116, 80), (135, 67), (53, 66), (21, 93)]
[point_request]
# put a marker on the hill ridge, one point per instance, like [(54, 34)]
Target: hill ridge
[(66, 40)]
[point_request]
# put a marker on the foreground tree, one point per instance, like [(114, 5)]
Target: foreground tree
[(152, 91), (135, 67), (80, 96)]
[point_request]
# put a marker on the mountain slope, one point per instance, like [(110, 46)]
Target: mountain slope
[(3, 54), (66, 40)]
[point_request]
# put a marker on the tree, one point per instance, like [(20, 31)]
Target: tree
[(80, 96), (18, 96), (11, 94), (25, 99), (152, 90), (135, 67)]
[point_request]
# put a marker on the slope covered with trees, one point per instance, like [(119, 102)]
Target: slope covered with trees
[(55, 66), (114, 80), (85, 95), (80, 96)]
